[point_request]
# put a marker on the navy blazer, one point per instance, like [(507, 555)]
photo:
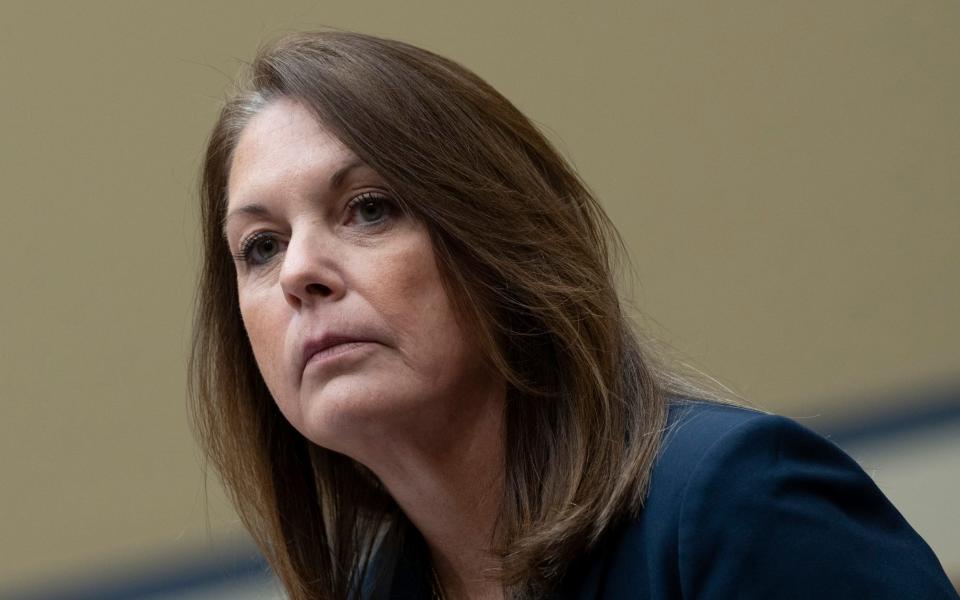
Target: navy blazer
[(745, 505)]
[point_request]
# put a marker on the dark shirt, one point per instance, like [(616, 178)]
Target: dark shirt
[(744, 505)]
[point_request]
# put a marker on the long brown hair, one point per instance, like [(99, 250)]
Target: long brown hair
[(527, 256)]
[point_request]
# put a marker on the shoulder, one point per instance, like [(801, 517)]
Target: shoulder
[(695, 431), (750, 505), (703, 439)]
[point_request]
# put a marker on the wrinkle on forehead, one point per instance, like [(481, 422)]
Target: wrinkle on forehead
[(270, 151)]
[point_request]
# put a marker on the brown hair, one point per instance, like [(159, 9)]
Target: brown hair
[(526, 253)]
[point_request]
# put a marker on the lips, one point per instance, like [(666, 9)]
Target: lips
[(314, 346)]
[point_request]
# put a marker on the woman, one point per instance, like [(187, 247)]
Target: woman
[(413, 373)]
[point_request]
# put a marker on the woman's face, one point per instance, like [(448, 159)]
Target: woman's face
[(339, 290)]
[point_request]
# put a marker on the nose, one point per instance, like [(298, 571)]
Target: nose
[(310, 271)]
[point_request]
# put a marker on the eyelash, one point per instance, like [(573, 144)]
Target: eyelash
[(359, 200), (249, 243)]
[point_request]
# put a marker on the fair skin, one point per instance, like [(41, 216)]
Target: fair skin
[(322, 250)]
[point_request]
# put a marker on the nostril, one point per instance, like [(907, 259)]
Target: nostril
[(318, 289)]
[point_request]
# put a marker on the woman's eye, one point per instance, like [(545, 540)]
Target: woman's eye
[(370, 209), (258, 249)]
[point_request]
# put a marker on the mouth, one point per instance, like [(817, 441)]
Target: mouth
[(335, 350), (329, 348)]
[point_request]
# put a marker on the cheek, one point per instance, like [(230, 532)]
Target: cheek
[(262, 325), (414, 300)]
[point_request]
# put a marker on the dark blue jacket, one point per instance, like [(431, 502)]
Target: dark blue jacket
[(744, 505)]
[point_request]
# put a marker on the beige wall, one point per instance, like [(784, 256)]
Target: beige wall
[(785, 174)]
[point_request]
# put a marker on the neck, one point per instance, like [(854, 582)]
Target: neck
[(450, 485)]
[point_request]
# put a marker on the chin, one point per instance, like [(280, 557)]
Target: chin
[(348, 417)]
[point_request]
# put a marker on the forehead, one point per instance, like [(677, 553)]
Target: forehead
[(282, 144)]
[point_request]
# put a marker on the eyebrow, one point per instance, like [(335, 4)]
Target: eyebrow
[(259, 210), (336, 180)]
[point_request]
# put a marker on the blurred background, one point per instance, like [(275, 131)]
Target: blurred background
[(786, 177)]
